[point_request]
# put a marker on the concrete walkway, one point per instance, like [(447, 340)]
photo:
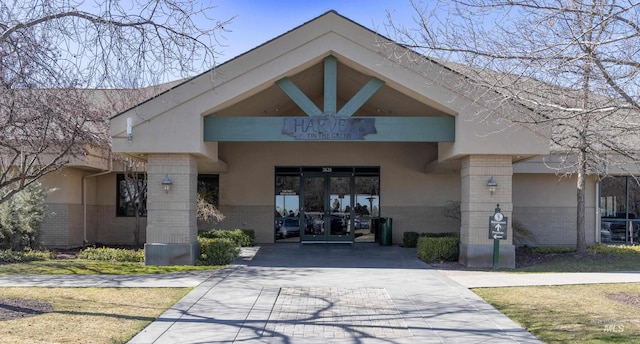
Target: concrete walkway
[(290, 293), (482, 279)]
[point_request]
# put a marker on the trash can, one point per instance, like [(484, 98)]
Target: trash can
[(386, 231)]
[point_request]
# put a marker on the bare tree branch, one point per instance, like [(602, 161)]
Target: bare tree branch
[(575, 64), (63, 62)]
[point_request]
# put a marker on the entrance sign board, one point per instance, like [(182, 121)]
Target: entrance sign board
[(498, 226), (328, 127)]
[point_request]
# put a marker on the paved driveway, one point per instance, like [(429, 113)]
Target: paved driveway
[(362, 293)]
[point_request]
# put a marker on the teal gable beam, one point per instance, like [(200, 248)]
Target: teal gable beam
[(389, 129), (330, 84), (298, 97), (366, 92)]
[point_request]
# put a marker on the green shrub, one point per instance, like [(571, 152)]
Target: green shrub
[(441, 235), (241, 237), (251, 234), (112, 254), (21, 217), (551, 249), (217, 251), (10, 256), (435, 249), (614, 249), (410, 239)]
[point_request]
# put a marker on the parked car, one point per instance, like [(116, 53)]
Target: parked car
[(615, 228), (360, 223), (290, 227)]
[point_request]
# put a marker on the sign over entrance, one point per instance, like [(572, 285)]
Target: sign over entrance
[(328, 128)]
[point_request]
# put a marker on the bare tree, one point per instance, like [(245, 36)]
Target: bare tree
[(575, 64), (53, 52), (133, 190), (207, 204)]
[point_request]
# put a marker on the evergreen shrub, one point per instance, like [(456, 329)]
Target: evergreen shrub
[(217, 251), (410, 239), (21, 217), (10, 256), (112, 254), (614, 249), (241, 237), (439, 248)]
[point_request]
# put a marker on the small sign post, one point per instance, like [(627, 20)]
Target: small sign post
[(497, 232)]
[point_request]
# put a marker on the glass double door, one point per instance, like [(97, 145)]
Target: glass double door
[(326, 206)]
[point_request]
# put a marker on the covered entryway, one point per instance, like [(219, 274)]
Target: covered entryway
[(326, 204), (325, 95)]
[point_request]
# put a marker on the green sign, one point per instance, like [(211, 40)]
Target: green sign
[(498, 226)]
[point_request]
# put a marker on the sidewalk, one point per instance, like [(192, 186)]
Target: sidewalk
[(290, 293), (483, 279), (332, 294)]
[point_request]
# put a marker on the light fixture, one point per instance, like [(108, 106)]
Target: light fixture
[(166, 183), (129, 129), (492, 185)]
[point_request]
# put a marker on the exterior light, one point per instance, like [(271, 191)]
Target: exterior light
[(491, 184), (166, 183), (129, 129)]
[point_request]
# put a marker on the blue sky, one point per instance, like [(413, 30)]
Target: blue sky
[(259, 21)]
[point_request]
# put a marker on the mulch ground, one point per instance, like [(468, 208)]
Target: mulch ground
[(17, 308)]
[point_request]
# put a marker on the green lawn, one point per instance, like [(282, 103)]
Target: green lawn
[(589, 263), (87, 315), (92, 267), (571, 314)]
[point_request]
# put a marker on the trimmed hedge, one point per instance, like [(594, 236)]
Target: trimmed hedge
[(251, 234), (614, 249), (410, 239), (240, 237), (441, 235), (439, 247), (217, 251), (10, 256), (551, 250), (112, 254)]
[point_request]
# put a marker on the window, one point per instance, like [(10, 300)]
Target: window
[(209, 188), (619, 210), (129, 197)]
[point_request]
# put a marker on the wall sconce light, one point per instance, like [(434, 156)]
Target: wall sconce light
[(491, 184), (166, 183)]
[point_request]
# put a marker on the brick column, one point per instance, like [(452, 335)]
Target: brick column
[(478, 204), (171, 217)]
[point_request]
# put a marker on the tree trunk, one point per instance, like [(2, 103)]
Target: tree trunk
[(136, 229), (581, 242)]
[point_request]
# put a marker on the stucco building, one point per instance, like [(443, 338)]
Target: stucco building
[(313, 137)]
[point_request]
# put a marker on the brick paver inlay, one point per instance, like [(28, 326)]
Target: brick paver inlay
[(335, 313)]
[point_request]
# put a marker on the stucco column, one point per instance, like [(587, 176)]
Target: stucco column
[(478, 204), (171, 217)]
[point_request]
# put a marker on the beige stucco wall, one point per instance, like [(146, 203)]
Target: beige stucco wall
[(65, 225), (414, 199), (546, 205)]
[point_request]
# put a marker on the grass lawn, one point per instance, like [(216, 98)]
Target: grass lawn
[(91, 267), (87, 315), (571, 314), (589, 263)]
